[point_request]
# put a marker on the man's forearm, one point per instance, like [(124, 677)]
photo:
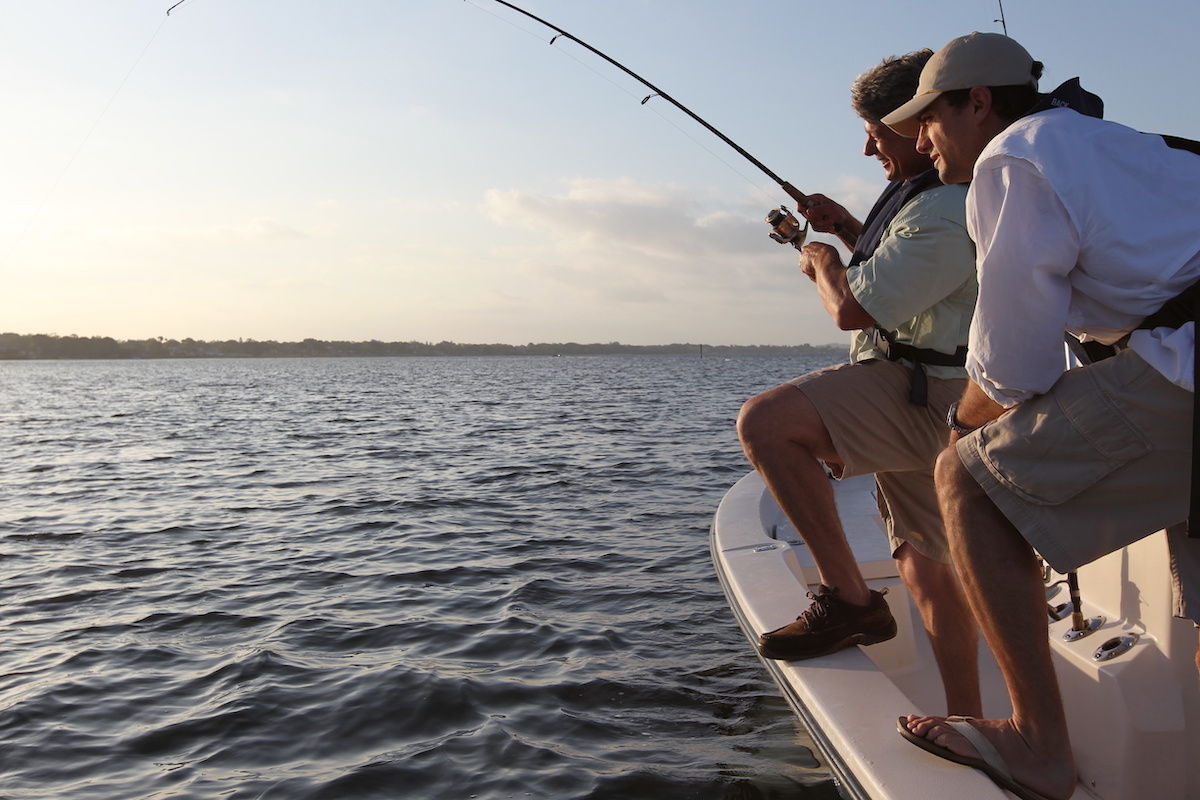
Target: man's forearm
[(849, 231), (840, 302), (822, 264), (975, 409)]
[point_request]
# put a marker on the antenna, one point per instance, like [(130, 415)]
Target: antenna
[(1003, 24)]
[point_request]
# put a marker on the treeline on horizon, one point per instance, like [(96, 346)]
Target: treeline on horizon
[(16, 346)]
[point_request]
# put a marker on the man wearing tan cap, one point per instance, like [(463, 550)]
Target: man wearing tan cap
[(1083, 226)]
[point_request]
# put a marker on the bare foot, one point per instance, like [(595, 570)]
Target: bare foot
[(1046, 768)]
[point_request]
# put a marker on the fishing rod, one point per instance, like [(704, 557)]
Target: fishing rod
[(785, 229)]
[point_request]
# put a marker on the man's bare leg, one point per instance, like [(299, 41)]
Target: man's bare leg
[(785, 439), (951, 627), (1000, 578)]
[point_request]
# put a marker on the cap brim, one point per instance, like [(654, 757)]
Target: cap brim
[(904, 119)]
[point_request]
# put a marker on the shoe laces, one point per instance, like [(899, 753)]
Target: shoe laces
[(822, 602)]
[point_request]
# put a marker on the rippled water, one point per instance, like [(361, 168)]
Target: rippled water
[(379, 578)]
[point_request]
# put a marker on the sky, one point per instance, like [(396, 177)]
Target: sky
[(429, 170)]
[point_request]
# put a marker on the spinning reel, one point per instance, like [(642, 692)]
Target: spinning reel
[(785, 228)]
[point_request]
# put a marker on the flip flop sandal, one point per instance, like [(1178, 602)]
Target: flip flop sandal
[(990, 762)]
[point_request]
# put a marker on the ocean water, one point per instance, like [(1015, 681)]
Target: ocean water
[(380, 578)]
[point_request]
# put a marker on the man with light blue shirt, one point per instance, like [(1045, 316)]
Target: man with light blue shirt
[(907, 294), (1083, 226)]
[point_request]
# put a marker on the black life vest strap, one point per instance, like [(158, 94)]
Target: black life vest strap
[(918, 393), (1175, 312)]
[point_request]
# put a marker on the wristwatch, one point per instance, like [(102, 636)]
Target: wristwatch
[(952, 420)]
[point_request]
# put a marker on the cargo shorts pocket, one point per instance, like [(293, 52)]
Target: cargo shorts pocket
[(1053, 447)]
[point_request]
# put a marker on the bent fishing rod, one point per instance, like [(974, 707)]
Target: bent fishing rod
[(785, 229)]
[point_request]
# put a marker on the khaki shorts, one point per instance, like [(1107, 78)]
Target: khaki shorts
[(1101, 460), (875, 429)]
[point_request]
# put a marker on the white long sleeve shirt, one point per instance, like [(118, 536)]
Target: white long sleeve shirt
[(1080, 225)]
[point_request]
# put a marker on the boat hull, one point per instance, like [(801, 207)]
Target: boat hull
[(1133, 718)]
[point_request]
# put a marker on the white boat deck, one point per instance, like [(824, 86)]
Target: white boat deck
[(1130, 716)]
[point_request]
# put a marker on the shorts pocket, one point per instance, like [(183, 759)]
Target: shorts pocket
[(1053, 447)]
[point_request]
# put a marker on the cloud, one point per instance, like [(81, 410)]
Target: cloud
[(658, 258), (635, 240), (657, 221)]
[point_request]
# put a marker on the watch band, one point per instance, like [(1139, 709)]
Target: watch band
[(952, 420)]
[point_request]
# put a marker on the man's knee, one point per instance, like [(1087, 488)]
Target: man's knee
[(960, 497), (748, 420), (779, 415), (923, 575), (759, 417), (951, 477)]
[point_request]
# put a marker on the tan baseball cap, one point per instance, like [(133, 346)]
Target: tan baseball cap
[(977, 59)]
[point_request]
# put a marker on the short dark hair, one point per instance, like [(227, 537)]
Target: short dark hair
[(1009, 102), (882, 89)]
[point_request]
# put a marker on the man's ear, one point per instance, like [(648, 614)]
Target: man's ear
[(980, 102)]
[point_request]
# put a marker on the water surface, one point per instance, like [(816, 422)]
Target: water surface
[(379, 578)]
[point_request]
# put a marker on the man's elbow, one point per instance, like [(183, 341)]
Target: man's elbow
[(853, 319)]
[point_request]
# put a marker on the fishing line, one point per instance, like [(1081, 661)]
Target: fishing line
[(670, 122), (785, 227), (643, 100), (37, 211)]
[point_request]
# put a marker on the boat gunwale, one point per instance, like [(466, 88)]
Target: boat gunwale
[(847, 784)]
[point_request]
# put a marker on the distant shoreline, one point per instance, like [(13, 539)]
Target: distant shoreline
[(42, 347)]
